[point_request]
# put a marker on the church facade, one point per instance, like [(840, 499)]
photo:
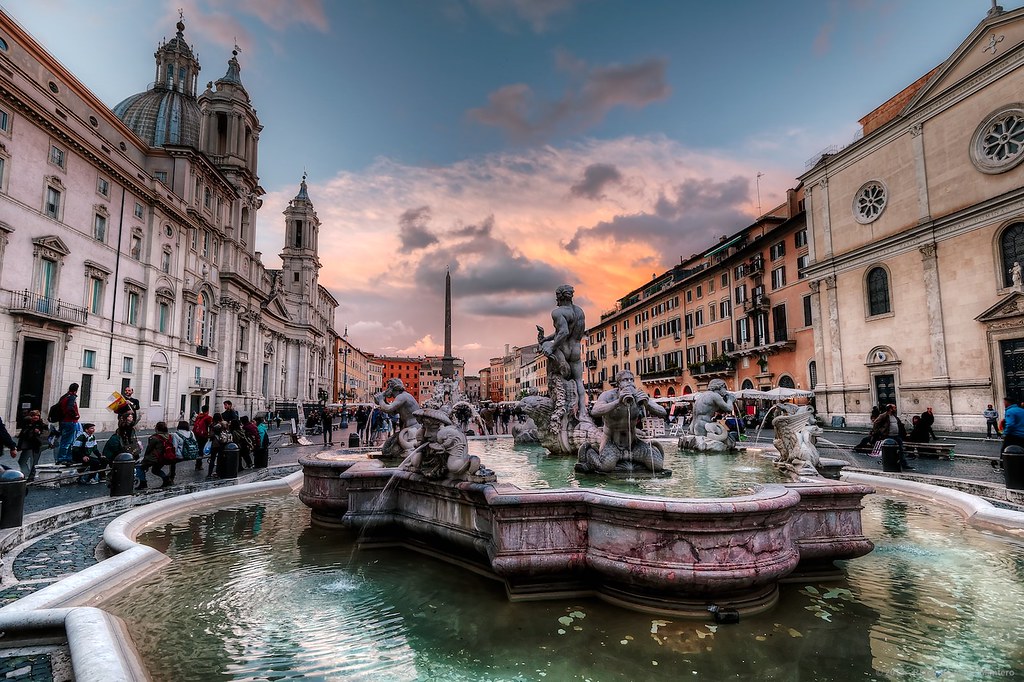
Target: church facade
[(127, 247), (914, 233)]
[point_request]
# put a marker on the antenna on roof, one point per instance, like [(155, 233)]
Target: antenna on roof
[(757, 181)]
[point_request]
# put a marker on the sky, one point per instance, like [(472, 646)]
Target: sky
[(522, 144)]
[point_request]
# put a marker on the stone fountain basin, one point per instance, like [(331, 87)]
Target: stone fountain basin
[(663, 555)]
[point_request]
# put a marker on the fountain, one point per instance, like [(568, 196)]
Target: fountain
[(705, 434), (656, 554)]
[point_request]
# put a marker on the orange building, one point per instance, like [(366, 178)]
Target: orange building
[(406, 369)]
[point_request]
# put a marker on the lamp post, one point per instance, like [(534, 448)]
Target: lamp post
[(344, 389)]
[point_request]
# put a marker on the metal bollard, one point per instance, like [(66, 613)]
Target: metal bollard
[(227, 461), (1013, 467), (12, 498), (122, 475), (891, 456), (353, 440)]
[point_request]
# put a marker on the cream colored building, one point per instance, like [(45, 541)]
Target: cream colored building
[(914, 231)]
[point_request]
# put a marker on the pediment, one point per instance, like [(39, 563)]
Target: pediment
[(993, 40), (1011, 305), (53, 243), (276, 307)]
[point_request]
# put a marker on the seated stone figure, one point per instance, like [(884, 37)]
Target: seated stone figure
[(399, 444), (442, 451), (621, 447), (708, 403)]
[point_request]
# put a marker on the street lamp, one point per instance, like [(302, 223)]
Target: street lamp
[(344, 389)]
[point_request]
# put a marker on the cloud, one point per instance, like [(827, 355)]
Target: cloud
[(517, 110), (423, 346), (536, 13), (216, 22), (412, 230), (499, 220), (823, 39), (595, 177), (696, 210)]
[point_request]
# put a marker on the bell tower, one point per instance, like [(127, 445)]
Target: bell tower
[(300, 257)]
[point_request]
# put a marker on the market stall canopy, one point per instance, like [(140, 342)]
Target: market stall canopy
[(777, 394), (688, 398)]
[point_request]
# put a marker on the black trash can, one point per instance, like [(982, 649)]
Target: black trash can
[(12, 498), (891, 456), (353, 440), (122, 475), (261, 458), (1013, 467), (227, 461)]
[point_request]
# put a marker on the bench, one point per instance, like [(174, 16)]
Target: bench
[(929, 449)]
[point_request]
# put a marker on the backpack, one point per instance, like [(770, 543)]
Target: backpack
[(189, 447), (56, 412), (168, 455), (200, 428)]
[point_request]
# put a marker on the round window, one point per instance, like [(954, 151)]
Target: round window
[(3, 45), (168, 230), (53, 88), (998, 143), (869, 202)]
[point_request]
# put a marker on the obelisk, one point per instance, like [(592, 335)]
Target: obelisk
[(448, 362)]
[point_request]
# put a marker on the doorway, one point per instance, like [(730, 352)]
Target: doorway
[(1012, 354), (885, 390), (33, 375)]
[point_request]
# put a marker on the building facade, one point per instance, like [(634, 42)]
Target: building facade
[(915, 230), (406, 369), (127, 246)]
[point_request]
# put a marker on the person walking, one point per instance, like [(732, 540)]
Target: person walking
[(888, 425), (1013, 429), (68, 416), (185, 446), (159, 451), (201, 430), (245, 445), (991, 416), (7, 442), (30, 443), (229, 414), (220, 436), (327, 423), (263, 442), (361, 422)]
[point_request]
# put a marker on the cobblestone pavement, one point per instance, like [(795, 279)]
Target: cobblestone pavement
[(37, 664)]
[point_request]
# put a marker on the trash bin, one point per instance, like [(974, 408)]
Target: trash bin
[(353, 440), (122, 475), (891, 456), (1013, 467), (261, 458), (227, 461), (12, 498)]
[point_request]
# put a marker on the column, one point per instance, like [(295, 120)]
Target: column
[(826, 220), (917, 143), (835, 336), (936, 329)]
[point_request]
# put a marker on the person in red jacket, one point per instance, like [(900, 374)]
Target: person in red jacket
[(201, 429)]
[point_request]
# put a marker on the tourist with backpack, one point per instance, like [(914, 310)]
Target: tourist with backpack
[(65, 413), (159, 451), (245, 443), (86, 453), (185, 445), (263, 447), (30, 443), (220, 436)]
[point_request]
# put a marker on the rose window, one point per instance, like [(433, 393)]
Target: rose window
[(998, 143), (869, 202)]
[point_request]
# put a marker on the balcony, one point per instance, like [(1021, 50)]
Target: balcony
[(46, 308), (758, 302), (755, 266), (782, 339), (713, 368), (202, 384), (670, 373), (203, 351)]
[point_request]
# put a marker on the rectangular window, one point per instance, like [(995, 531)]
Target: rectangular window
[(195, 239), (698, 317), (127, 364), (139, 211), (689, 296), (741, 294), (711, 312), (2, 167), (161, 176), (243, 332), (132, 309), (165, 261), (52, 207), (57, 156), (89, 359), (777, 251), (724, 309), (801, 238), (5, 121), (95, 295), (801, 263), (156, 388), (163, 317), (700, 291), (711, 286), (779, 277), (103, 186), (85, 391), (99, 228), (206, 244), (807, 311), (742, 330)]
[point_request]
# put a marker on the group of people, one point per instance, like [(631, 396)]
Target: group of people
[(885, 423)]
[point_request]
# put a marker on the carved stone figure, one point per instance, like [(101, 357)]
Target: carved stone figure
[(1015, 275), (401, 443), (563, 345), (716, 399), (796, 440), (562, 436), (441, 451), (525, 433), (621, 448)]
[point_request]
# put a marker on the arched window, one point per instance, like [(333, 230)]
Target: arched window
[(748, 384), (812, 374), (786, 381), (671, 391), (878, 292), (1011, 245), (199, 328)]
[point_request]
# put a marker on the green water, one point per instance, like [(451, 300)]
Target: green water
[(255, 593), (693, 474)]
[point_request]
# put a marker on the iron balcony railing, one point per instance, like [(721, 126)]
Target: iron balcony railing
[(201, 382), (670, 373), (28, 303), (719, 367), (203, 350), (758, 302)]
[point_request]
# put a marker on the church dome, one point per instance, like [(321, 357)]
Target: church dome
[(167, 113), (161, 116)]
